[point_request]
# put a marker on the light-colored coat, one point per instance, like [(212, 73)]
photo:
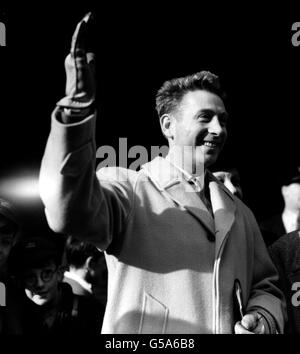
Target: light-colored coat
[(165, 276)]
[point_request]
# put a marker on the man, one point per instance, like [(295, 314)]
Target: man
[(87, 273), (176, 242), (9, 228), (285, 253), (9, 233), (231, 179), (289, 220)]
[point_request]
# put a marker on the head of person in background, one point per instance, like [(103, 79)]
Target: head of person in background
[(49, 305), (230, 177), (37, 265), (291, 195), (87, 273), (9, 230)]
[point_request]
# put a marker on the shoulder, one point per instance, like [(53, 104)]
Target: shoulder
[(117, 175), (286, 252), (288, 244)]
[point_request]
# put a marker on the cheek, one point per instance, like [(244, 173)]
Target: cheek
[(29, 293), (187, 133), (52, 286), (294, 194)]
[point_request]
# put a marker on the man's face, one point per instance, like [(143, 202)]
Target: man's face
[(291, 195), (41, 284), (6, 240), (201, 123)]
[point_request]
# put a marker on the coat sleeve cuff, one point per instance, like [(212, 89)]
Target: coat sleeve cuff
[(269, 321)]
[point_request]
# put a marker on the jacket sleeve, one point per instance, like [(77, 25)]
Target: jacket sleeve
[(75, 202), (265, 293)]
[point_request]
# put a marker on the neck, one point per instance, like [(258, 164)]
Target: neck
[(79, 272), (293, 213), (189, 158)]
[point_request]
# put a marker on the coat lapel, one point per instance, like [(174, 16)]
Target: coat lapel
[(223, 206), (171, 181)]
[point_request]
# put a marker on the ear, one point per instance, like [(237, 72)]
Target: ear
[(88, 264), (167, 122), (60, 273)]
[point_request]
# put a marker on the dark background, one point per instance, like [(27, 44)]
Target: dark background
[(138, 48)]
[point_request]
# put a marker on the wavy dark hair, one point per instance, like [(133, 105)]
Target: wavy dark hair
[(172, 91)]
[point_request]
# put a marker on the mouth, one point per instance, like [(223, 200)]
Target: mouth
[(211, 144), (42, 294)]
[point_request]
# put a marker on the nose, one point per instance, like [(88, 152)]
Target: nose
[(215, 127), (39, 282)]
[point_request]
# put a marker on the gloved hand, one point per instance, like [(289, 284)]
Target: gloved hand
[(80, 71), (252, 323)]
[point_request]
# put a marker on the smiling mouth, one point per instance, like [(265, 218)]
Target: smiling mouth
[(42, 294), (210, 144)]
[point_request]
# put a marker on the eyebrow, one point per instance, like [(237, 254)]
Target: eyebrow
[(209, 110)]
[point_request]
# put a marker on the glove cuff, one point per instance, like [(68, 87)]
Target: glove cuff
[(69, 102)]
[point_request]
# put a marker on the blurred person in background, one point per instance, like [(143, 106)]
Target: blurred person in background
[(289, 219), (9, 302), (48, 305), (87, 272), (285, 253)]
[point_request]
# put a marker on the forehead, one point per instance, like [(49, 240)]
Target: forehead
[(294, 186), (34, 269), (202, 100)]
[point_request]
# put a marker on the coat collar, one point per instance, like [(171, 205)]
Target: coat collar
[(224, 208), (170, 180)]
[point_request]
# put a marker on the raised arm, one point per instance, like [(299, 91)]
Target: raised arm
[(75, 203)]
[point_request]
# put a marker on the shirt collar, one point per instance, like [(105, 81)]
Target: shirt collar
[(196, 179), (87, 286)]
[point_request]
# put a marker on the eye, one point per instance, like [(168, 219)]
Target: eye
[(47, 274), (205, 116), (29, 279)]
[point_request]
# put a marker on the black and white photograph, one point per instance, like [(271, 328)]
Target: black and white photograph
[(149, 172)]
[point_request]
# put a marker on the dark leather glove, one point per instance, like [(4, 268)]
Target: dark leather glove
[(80, 71)]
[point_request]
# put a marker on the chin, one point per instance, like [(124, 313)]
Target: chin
[(40, 301), (209, 160)]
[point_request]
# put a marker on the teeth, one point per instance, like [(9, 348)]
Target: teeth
[(209, 144)]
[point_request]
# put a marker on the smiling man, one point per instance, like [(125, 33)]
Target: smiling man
[(183, 254)]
